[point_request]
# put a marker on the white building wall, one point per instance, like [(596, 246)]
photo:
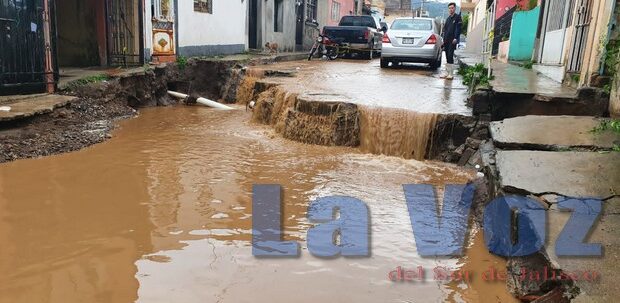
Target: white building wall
[(204, 34), (477, 17), (284, 39), (148, 31)]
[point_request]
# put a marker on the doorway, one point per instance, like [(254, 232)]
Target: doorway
[(124, 32), (556, 21), (253, 25), (299, 29), (99, 33)]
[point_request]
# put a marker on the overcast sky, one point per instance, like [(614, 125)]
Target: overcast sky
[(458, 2)]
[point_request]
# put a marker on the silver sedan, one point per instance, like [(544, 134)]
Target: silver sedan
[(415, 40)]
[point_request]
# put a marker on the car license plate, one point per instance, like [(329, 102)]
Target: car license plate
[(408, 41)]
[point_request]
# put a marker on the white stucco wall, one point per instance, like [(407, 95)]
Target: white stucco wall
[(148, 30), (286, 38), (203, 34), (477, 17)]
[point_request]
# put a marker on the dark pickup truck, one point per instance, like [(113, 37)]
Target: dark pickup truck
[(363, 34)]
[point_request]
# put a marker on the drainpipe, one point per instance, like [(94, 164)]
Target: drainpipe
[(49, 71), (203, 101)]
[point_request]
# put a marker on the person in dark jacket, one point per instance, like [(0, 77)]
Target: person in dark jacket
[(451, 37)]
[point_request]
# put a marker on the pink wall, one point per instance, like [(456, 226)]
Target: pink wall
[(505, 5), (346, 6)]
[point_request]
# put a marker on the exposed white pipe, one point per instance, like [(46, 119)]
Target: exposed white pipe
[(203, 101)]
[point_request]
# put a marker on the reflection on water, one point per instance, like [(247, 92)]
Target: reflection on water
[(162, 213)]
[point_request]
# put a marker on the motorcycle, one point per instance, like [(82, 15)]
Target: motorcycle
[(329, 47)]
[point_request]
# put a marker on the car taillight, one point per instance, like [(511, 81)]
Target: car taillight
[(432, 39), (386, 39), (366, 34)]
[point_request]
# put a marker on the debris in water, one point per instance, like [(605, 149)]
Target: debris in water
[(250, 105), (219, 216)]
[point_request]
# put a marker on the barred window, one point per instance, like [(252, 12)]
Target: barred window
[(161, 10), (311, 10), (335, 11), (203, 6)]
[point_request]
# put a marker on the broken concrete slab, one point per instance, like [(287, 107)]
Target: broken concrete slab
[(604, 232), (551, 133), (512, 79), (575, 174), (13, 98), (37, 105), (509, 105)]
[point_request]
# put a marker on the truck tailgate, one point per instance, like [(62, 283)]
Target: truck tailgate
[(350, 34)]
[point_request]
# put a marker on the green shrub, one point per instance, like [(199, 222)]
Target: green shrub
[(181, 62), (477, 73), (87, 80), (612, 57), (608, 125)]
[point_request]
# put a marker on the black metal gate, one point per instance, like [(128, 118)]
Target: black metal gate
[(124, 32), (22, 47), (580, 38)]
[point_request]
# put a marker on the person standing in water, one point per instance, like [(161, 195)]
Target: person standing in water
[(451, 37)]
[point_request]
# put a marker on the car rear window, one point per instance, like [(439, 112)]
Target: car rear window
[(358, 21), (412, 24)]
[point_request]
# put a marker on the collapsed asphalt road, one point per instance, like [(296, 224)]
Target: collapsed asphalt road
[(411, 86)]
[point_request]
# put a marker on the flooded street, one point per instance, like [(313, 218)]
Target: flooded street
[(162, 213), (410, 87)]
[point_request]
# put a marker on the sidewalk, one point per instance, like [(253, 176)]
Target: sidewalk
[(20, 107), (517, 91), (552, 159), (513, 79)]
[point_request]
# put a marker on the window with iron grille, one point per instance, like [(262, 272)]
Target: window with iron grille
[(203, 6), (162, 10), (335, 11), (311, 12)]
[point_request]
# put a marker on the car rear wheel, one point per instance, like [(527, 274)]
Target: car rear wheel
[(437, 64), (384, 63)]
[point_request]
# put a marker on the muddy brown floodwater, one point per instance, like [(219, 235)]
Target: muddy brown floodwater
[(162, 213)]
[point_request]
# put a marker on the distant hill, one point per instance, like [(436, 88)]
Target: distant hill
[(435, 9)]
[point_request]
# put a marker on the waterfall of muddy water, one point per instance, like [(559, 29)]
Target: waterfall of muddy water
[(162, 213), (395, 132), (245, 91)]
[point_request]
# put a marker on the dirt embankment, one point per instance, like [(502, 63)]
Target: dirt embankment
[(90, 118), (309, 119)]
